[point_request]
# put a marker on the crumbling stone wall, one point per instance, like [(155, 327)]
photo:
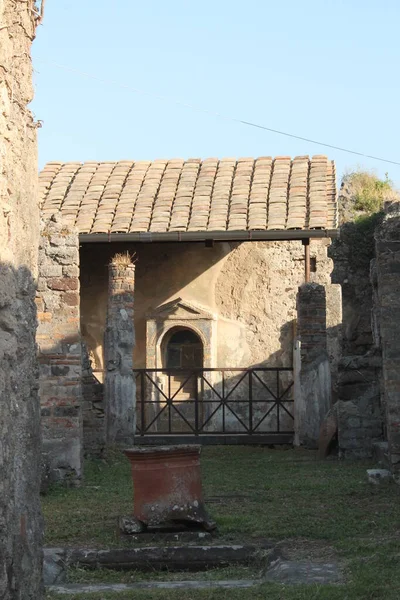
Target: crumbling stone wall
[(358, 390), (388, 311), (358, 410), (60, 351), (351, 255), (369, 392), (20, 519)]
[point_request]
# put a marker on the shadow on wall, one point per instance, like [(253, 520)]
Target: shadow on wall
[(352, 254), (186, 263), (360, 413), (21, 522)]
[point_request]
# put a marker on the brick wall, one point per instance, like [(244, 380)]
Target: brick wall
[(311, 321), (59, 345)]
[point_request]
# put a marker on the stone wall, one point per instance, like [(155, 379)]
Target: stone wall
[(358, 411), (351, 255), (388, 315), (358, 390), (20, 519), (312, 373), (60, 352), (369, 399)]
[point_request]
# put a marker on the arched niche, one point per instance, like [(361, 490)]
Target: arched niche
[(171, 317)]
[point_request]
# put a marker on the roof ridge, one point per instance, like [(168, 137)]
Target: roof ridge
[(185, 160)]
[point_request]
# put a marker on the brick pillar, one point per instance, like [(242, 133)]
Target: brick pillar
[(311, 365), (388, 312), (59, 345), (119, 342)]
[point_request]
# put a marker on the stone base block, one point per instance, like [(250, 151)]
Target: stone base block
[(62, 460), (377, 476)]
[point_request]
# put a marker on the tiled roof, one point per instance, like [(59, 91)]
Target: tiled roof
[(193, 195)]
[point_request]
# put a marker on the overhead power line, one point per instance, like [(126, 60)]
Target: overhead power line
[(214, 113)]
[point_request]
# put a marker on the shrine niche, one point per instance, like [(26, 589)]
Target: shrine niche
[(176, 320)]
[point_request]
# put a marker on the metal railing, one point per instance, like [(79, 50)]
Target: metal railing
[(198, 401)]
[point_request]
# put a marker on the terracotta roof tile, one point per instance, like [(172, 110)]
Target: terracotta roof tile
[(193, 195)]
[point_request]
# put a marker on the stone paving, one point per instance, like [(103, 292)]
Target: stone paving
[(303, 572), (276, 570)]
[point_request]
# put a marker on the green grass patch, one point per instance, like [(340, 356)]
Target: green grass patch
[(253, 493), (78, 575), (352, 591), (369, 192)]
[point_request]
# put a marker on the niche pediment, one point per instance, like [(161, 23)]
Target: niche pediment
[(179, 309)]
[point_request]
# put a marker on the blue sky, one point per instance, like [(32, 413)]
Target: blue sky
[(322, 69)]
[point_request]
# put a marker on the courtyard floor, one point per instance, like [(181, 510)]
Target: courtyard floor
[(320, 511)]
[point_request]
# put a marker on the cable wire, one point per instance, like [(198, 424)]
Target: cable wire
[(213, 113)]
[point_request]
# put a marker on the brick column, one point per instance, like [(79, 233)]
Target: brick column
[(311, 365), (388, 311), (59, 345), (119, 342)]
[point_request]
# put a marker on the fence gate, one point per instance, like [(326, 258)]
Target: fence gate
[(215, 405)]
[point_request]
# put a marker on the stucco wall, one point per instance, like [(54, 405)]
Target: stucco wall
[(20, 521), (250, 288)]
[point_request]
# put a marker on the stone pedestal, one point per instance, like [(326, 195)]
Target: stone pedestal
[(119, 342), (167, 486)]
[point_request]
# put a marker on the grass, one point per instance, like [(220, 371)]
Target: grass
[(251, 492), (123, 259), (262, 592), (369, 192), (78, 575), (318, 509)]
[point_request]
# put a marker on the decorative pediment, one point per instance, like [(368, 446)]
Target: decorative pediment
[(179, 310)]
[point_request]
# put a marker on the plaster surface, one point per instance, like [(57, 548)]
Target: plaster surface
[(250, 288)]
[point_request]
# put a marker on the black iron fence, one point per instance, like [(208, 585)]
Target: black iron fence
[(214, 401)]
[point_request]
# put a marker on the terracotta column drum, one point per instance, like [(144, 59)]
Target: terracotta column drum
[(167, 486)]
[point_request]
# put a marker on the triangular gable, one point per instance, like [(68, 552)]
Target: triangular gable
[(179, 309)]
